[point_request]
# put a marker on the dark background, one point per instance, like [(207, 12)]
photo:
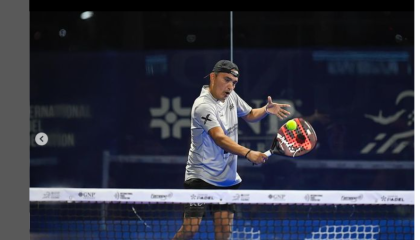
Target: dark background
[(337, 69)]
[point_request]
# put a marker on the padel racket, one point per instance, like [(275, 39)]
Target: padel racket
[(293, 143)]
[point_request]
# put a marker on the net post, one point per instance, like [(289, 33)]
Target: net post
[(106, 159)]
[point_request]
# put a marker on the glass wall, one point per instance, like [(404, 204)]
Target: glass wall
[(114, 90)]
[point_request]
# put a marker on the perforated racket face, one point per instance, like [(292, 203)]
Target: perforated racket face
[(296, 142)]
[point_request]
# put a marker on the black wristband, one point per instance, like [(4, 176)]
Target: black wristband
[(247, 153)]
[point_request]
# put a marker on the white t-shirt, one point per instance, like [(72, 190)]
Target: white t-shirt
[(206, 160)]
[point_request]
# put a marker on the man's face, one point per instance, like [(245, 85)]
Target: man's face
[(222, 84)]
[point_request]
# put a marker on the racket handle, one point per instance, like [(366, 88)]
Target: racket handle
[(268, 153)]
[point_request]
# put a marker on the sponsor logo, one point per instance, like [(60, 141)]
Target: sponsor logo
[(169, 120), (202, 197), (352, 198), (196, 204), (123, 195), (392, 198), (241, 197), (206, 119), (51, 195), (87, 195), (232, 129), (397, 142), (277, 197), (313, 197), (161, 196)]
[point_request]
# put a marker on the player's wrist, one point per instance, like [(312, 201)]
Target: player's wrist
[(246, 155), (266, 110)]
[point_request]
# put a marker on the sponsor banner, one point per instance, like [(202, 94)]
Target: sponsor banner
[(242, 197), (222, 196), (123, 195), (352, 198), (51, 195), (392, 198)]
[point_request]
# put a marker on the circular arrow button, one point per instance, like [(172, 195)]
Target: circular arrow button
[(41, 139)]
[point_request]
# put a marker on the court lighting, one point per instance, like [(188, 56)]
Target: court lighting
[(86, 15)]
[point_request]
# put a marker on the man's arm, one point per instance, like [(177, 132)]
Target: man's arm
[(227, 144), (257, 114)]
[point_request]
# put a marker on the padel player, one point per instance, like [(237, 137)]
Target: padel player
[(214, 150)]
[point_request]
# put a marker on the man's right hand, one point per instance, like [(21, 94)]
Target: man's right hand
[(257, 157)]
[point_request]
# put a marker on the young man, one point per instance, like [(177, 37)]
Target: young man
[(212, 160)]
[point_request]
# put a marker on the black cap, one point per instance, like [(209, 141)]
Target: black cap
[(227, 67)]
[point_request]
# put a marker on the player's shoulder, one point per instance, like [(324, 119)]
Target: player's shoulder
[(204, 99), (203, 103)]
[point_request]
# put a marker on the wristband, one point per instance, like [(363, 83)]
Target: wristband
[(247, 153)]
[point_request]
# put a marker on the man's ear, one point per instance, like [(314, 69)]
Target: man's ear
[(212, 76)]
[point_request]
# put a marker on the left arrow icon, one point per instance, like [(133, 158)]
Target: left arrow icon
[(41, 139)]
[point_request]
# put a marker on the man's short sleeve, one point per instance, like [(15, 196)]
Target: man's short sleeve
[(243, 107), (205, 116)]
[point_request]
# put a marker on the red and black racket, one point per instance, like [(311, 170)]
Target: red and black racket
[(294, 143)]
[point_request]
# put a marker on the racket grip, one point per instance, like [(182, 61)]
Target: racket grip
[(268, 153)]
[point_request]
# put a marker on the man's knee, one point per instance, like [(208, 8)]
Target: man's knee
[(223, 221), (186, 232), (193, 229), (223, 234), (189, 228), (225, 229)]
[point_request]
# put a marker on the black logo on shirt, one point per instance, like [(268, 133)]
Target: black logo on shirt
[(231, 106), (206, 119)]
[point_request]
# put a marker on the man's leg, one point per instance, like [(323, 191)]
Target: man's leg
[(223, 221), (193, 213), (188, 229)]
